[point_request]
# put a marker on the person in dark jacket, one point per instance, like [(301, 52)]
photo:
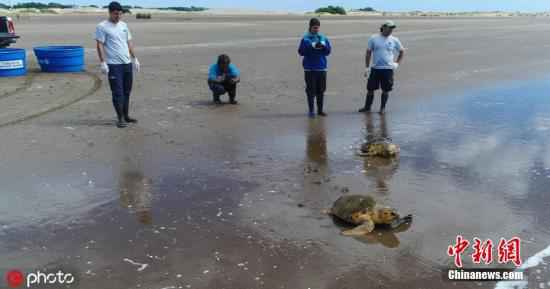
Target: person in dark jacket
[(315, 47), (223, 77)]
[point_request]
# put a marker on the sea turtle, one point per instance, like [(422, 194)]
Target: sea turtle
[(380, 147), (363, 212)]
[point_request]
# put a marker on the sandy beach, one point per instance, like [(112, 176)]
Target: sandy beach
[(232, 196)]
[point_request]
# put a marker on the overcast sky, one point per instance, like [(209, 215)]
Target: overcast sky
[(301, 6)]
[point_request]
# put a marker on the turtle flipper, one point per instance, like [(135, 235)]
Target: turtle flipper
[(360, 230)]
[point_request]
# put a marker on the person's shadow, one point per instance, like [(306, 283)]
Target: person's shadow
[(134, 187), (377, 169)]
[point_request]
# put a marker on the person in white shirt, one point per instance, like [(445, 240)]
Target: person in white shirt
[(116, 53), (387, 53)]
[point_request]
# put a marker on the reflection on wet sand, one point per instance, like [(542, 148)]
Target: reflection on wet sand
[(386, 237), (133, 186), (316, 163), (317, 143), (379, 170)]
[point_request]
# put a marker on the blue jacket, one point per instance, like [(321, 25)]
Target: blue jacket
[(314, 59), (214, 71)]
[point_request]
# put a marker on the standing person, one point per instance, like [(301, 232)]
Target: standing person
[(384, 48), (315, 47), (223, 77), (114, 48)]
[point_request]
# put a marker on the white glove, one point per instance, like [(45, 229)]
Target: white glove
[(314, 44), (323, 43), (395, 65), (367, 71), (104, 68), (137, 65)]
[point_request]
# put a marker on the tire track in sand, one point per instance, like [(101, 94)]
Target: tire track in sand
[(28, 81), (97, 82)]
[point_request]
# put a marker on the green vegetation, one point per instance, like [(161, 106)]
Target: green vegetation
[(126, 9), (185, 9), (367, 9), (41, 6), (332, 10), (37, 7)]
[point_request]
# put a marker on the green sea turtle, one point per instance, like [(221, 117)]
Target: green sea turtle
[(365, 214), (380, 147)]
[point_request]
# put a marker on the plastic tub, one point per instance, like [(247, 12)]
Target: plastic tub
[(13, 62), (60, 58)]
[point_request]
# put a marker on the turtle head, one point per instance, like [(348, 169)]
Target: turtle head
[(393, 149), (385, 215)]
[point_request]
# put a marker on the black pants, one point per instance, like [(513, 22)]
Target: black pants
[(316, 84), (219, 89), (379, 78), (120, 79)]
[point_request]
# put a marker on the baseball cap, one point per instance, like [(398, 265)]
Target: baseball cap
[(389, 24), (314, 22), (115, 6)]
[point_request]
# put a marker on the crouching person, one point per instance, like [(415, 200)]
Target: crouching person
[(223, 78)]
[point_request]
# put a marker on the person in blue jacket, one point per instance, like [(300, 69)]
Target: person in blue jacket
[(223, 77), (315, 47)]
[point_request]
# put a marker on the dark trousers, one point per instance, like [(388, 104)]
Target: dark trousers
[(219, 89), (316, 84), (379, 78), (120, 79)]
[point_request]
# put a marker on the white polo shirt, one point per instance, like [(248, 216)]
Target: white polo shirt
[(384, 50), (115, 39)]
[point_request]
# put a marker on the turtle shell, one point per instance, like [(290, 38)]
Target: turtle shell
[(380, 149), (345, 206)]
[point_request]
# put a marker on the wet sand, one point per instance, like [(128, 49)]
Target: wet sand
[(232, 196)]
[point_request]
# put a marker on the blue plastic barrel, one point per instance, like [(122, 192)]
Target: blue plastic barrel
[(60, 58), (13, 62)]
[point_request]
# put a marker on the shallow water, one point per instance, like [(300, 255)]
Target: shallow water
[(474, 164)]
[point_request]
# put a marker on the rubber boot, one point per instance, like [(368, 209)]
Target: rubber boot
[(320, 104), (385, 97), (126, 109), (310, 104), (119, 109), (368, 102)]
